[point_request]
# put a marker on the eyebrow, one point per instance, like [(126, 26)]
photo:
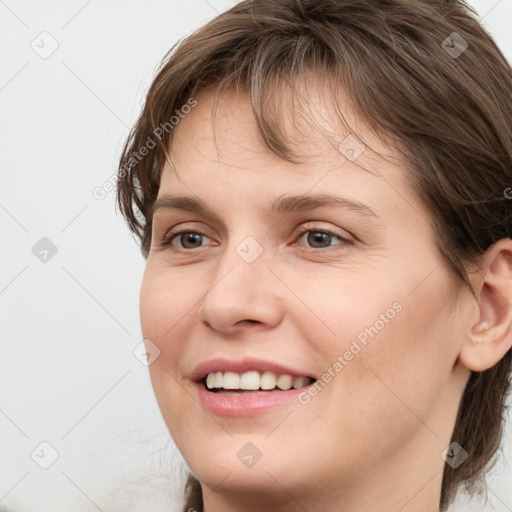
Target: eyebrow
[(282, 205)]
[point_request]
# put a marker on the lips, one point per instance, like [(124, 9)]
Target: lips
[(242, 366), (242, 402)]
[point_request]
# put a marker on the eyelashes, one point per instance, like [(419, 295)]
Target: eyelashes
[(326, 233), (197, 236)]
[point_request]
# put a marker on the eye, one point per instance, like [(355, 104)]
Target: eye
[(321, 238), (315, 238), (188, 239)]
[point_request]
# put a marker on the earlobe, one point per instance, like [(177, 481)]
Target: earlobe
[(490, 336)]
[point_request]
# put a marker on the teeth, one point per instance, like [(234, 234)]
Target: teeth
[(300, 382), (268, 380), (253, 381), (211, 381), (284, 382), (231, 381), (248, 380)]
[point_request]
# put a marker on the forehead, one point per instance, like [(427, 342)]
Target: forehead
[(320, 131), (220, 157)]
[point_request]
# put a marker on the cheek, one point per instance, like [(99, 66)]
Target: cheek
[(163, 311), (391, 350), (400, 373), (165, 300), (346, 316)]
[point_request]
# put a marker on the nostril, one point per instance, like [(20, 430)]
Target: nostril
[(249, 320)]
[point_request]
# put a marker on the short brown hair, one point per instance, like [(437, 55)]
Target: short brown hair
[(445, 107)]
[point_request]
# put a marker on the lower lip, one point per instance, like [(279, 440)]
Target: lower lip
[(246, 404)]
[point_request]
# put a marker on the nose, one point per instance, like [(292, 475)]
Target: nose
[(242, 295)]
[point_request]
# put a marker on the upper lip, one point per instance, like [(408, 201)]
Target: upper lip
[(241, 366)]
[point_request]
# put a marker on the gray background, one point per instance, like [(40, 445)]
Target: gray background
[(69, 377)]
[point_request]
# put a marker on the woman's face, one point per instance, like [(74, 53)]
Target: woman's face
[(351, 293)]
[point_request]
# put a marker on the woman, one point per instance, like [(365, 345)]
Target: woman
[(320, 189)]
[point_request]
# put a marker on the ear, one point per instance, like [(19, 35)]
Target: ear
[(490, 337)]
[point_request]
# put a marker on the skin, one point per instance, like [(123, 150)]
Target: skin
[(372, 438)]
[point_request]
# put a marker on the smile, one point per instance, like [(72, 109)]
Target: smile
[(232, 383)]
